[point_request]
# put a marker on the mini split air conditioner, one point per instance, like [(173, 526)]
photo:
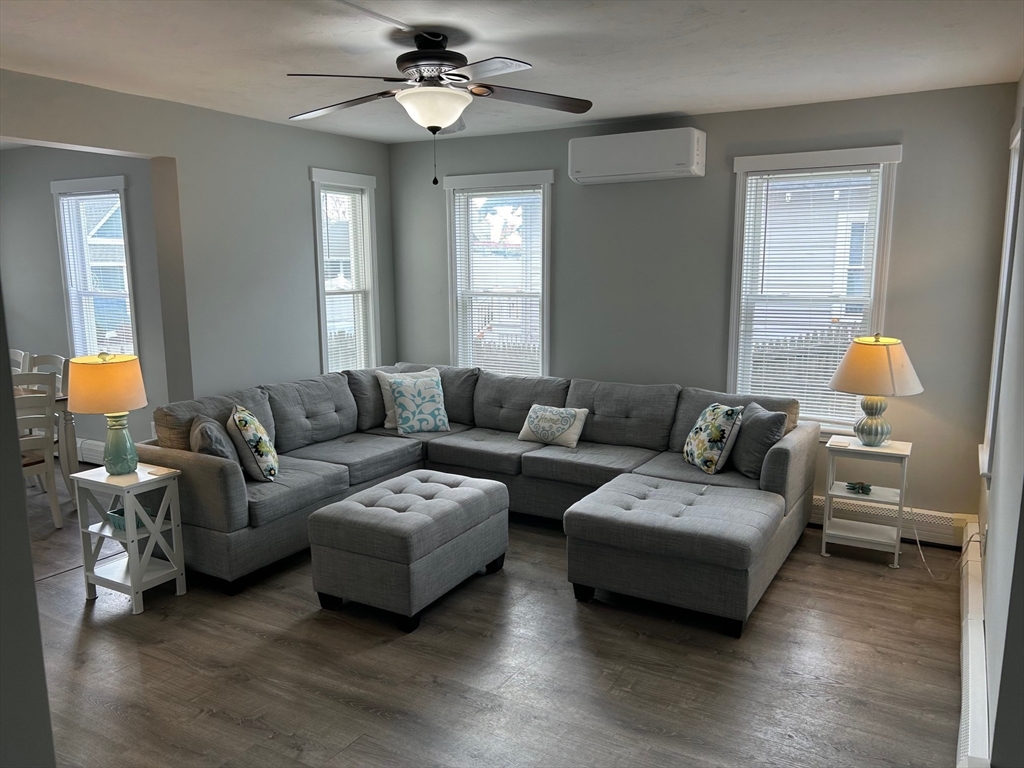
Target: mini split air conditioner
[(672, 154)]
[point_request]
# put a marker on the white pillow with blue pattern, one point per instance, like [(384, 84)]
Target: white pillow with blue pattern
[(710, 441), (554, 426), (419, 403)]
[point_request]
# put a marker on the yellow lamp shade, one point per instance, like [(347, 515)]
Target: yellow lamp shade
[(876, 366), (105, 384)]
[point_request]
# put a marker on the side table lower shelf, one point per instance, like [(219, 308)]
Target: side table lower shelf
[(859, 534), (114, 574)]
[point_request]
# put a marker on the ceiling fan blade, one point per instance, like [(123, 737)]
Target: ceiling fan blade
[(379, 16), (458, 125), (498, 65), (344, 105), (532, 98), (356, 77)]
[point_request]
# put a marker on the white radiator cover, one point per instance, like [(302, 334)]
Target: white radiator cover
[(972, 749), (932, 527)]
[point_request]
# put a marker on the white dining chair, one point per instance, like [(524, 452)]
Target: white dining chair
[(35, 416), (18, 360), (59, 365)]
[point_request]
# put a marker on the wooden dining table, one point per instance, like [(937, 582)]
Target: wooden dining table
[(67, 442)]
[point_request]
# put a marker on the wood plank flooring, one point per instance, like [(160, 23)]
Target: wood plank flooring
[(845, 662)]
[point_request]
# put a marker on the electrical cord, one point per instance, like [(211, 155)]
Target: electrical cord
[(920, 551)]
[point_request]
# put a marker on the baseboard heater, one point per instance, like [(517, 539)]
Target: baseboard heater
[(932, 527), (972, 749), (90, 451)]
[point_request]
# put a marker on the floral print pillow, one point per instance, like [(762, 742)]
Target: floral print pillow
[(712, 437), (419, 404), (255, 448)]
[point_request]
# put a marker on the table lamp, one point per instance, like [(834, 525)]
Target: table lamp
[(875, 367), (111, 385)]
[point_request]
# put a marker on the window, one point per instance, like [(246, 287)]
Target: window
[(346, 269), (93, 239), (811, 255), (498, 251)]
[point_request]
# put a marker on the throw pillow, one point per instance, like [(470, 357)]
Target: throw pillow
[(419, 403), (209, 436), (760, 431), (385, 379), (554, 426), (255, 450), (712, 437)]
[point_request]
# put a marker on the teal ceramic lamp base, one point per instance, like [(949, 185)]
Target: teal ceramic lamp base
[(873, 430), (119, 454)]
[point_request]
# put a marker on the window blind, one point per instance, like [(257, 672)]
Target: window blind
[(498, 239), (96, 273), (809, 250), (345, 270)]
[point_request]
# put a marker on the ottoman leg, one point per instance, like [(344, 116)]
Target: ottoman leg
[(330, 602), (582, 593), (409, 623), (733, 627), (496, 564)]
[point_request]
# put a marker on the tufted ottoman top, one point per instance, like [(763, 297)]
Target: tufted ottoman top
[(711, 524), (407, 517)]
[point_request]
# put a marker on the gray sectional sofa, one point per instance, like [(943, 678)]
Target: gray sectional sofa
[(329, 434)]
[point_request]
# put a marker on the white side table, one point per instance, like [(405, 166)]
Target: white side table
[(855, 533), (135, 572)]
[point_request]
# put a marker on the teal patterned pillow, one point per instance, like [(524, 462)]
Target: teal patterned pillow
[(255, 449), (553, 426), (711, 439), (419, 404)]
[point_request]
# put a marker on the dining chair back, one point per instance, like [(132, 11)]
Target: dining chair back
[(18, 360), (34, 411), (55, 363)]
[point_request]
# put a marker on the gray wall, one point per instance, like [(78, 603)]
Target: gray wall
[(24, 706), (1004, 552), (246, 219), (30, 264), (646, 267)]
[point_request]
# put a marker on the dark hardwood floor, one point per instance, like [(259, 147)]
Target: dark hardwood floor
[(845, 662)]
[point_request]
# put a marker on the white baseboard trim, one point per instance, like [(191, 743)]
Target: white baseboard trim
[(932, 527), (972, 749)]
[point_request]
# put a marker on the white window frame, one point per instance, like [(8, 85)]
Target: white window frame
[(500, 181), (96, 185), (365, 185), (887, 157)]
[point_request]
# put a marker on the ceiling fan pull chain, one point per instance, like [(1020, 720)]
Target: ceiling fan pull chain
[(435, 156)]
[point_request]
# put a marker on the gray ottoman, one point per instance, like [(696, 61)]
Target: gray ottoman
[(707, 548), (402, 544)]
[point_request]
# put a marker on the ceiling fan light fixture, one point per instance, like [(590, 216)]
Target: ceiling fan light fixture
[(433, 107)]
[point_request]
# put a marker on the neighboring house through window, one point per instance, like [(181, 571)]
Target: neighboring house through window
[(499, 256), (346, 269), (92, 231), (809, 273)]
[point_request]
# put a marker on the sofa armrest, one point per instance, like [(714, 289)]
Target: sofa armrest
[(789, 465), (211, 489)]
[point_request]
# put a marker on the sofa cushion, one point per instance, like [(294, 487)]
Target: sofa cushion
[(365, 389), (311, 411), (212, 438), (673, 466), (693, 401), (478, 448), (298, 484), (366, 456), (502, 402), (625, 414), (252, 443), (174, 420), (730, 527), (421, 436), (759, 431), (459, 385), (407, 517), (590, 464)]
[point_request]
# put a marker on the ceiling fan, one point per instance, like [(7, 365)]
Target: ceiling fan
[(443, 82)]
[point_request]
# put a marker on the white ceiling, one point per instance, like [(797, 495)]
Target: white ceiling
[(630, 57)]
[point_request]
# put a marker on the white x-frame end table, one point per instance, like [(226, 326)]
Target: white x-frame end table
[(138, 570)]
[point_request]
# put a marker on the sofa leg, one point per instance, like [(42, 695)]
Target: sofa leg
[(733, 627), (330, 602), (582, 593), (496, 564), (409, 623), (232, 588)]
